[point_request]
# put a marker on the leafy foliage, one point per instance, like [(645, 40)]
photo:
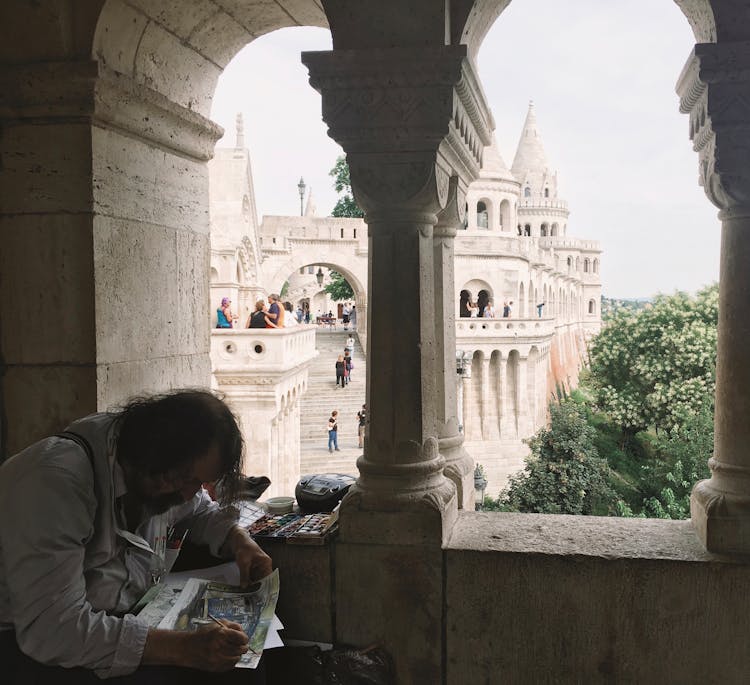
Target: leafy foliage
[(564, 474), (339, 288), (655, 366), (346, 205)]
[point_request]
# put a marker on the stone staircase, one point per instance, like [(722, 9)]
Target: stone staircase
[(322, 397)]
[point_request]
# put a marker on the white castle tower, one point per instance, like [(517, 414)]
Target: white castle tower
[(541, 213)]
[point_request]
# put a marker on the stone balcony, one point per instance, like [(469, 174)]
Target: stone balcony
[(263, 372), (268, 351), (471, 333)]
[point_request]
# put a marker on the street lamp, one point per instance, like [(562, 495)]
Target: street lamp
[(301, 187), (480, 485), (319, 276)]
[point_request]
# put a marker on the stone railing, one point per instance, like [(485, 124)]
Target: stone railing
[(565, 243), (271, 350), (503, 330)]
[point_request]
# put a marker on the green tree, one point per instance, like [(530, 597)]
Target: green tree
[(339, 288), (655, 366), (564, 474), (346, 205)]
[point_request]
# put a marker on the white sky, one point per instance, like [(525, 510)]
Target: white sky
[(602, 80)]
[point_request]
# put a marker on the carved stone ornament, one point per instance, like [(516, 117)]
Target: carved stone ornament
[(714, 90)]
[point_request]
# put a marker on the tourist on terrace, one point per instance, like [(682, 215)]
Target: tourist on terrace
[(224, 316), (289, 318), (489, 309), (506, 310), (83, 514), (259, 318), (353, 316), (275, 312), (539, 308)]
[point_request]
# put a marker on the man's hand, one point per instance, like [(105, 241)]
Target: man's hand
[(217, 648), (212, 648), (253, 562)]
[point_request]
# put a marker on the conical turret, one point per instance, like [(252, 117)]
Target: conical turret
[(493, 165), (530, 165)]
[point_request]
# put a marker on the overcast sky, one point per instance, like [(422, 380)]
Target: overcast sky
[(602, 79)]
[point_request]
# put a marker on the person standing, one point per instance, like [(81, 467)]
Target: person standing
[(224, 316), (258, 319), (510, 308), (289, 318), (362, 418), (489, 309), (539, 309), (340, 371), (333, 429), (345, 311), (506, 310), (275, 312), (353, 316), (348, 366)]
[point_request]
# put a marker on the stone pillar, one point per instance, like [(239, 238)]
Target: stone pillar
[(409, 119), (523, 396), (458, 464), (714, 89), (500, 390)]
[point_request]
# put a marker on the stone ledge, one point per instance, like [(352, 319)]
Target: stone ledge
[(582, 536)]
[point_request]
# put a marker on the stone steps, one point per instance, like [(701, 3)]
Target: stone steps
[(322, 397)]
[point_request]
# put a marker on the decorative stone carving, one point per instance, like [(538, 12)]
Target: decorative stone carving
[(714, 90)]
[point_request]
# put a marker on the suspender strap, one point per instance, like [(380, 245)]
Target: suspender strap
[(80, 441)]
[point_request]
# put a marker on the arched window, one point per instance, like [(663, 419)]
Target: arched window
[(527, 229), (544, 230), (570, 263), (586, 265), (527, 192), (546, 192), (592, 306), (520, 229), (596, 266), (554, 230), (483, 216)]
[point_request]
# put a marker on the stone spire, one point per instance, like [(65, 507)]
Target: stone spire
[(530, 165), (493, 165), (310, 206), (240, 144)]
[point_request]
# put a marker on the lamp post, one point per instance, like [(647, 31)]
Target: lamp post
[(480, 485), (301, 187), (319, 276)]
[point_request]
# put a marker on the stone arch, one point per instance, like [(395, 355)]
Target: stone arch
[(544, 230), (592, 307), (172, 48), (554, 229), (596, 266), (474, 287), (586, 265)]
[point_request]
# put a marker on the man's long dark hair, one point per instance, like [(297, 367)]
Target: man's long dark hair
[(158, 434)]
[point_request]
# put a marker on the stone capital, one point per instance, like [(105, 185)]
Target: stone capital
[(714, 90), (404, 101)]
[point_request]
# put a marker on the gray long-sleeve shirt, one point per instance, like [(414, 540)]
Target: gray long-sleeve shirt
[(69, 569)]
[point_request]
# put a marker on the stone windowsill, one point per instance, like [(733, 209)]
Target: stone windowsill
[(583, 536)]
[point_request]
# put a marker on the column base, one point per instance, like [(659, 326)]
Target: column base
[(721, 519), (421, 512)]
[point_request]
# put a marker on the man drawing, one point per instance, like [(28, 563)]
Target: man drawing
[(77, 541)]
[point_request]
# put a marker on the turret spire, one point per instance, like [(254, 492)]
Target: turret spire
[(530, 165)]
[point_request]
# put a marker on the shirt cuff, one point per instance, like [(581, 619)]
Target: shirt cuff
[(129, 650)]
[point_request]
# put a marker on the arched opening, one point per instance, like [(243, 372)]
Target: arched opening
[(596, 266), (527, 192), (483, 214), (554, 229), (543, 230), (592, 307), (586, 265)]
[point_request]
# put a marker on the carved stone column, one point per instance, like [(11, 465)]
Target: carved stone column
[(715, 90), (459, 466), (409, 120)]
